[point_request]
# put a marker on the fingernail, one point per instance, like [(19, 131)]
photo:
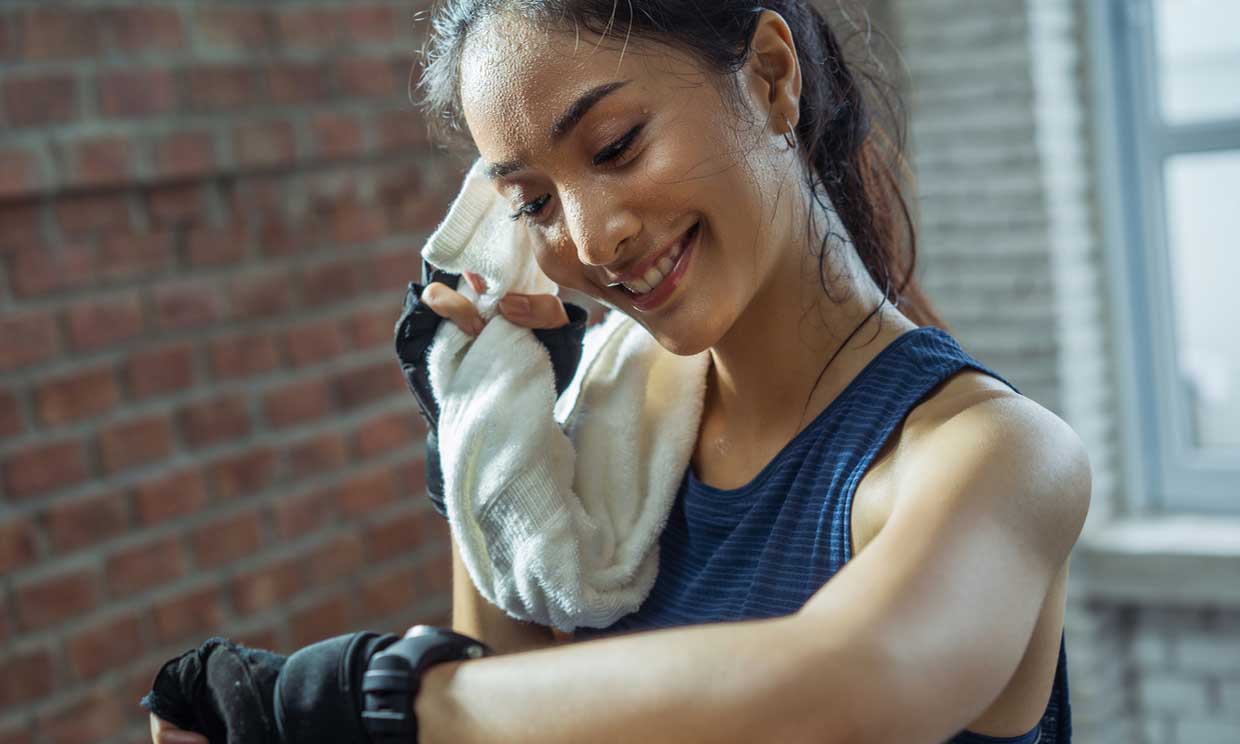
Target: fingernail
[(479, 324), (516, 305)]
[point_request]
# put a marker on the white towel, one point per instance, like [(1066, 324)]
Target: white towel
[(556, 507)]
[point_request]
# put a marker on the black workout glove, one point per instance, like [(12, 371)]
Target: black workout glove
[(235, 695), (415, 329)]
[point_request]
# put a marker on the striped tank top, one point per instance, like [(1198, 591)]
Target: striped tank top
[(763, 549)]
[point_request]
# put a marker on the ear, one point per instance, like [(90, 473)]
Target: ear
[(774, 72)]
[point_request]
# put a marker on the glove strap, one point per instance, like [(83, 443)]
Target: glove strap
[(394, 676)]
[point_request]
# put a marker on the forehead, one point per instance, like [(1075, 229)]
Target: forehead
[(517, 76)]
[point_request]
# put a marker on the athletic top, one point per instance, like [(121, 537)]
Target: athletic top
[(763, 549)]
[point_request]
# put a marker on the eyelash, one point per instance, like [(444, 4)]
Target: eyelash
[(607, 155)]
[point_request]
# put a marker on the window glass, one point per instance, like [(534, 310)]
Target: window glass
[(1203, 222), (1198, 58)]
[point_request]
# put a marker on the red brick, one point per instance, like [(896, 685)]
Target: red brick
[(397, 535), (279, 238), (25, 677), (410, 476), (60, 33), (309, 27), (136, 92), (78, 396), (299, 82), (335, 559), (353, 223), (26, 338), (368, 329), (56, 598), (266, 587), (213, 246), (20, 221), (144, 566), (368, 77), (21, 172), (384, 433), (243, 29), (219, 87), (434, 575), (17, 541), (243, 356), (314, 342), (18, 732), (265, 638), (196, 612), (136, 442), (390, 592), (243, 475), (297, 403), (322, 620), (226, 540), (302, 514), (372, 22), (403, 129), (101, 161), (97, 717), (166, 369), (10, 417), (135, 255), (366, 493), (82, 522), (317, 454), (367, 384), (264, 144), (187, 305), (214, 421), (96, 324), (184, 154), (255, 295), (330, 282), (135, 28), (391, 272), (181, 204), (105, 645), (42, 100), (40, 269), (93, 213), (40, 469), (170, 496), (336, 135)]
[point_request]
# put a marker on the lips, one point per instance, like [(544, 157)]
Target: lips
[(641, 269), (660, 293)]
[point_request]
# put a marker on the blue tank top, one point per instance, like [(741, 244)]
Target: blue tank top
[(763, 549)]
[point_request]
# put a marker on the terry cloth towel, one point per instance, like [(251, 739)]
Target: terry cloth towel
[(556, 506)]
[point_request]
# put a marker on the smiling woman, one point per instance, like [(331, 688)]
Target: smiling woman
[(870, 543)]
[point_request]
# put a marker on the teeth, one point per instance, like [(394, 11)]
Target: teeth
[(656, 273)]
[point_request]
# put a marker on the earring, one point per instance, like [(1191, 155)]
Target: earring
[(790, 136)]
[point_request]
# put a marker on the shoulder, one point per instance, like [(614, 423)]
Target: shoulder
[(977, 445)]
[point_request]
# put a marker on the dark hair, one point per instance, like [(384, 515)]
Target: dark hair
[(850, 158)]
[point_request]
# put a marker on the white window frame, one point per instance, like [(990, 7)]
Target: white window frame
[(1162, 473)]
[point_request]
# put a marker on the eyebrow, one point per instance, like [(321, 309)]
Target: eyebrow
[(563, 124)]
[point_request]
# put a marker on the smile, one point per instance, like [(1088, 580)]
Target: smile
[(655, 286)]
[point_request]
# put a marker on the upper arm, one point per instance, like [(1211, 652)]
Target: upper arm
[(949, 591), (474, 616)]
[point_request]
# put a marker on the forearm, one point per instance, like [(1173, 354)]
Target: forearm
[(724, 682)]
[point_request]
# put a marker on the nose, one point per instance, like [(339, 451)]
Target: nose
[(598, 224)]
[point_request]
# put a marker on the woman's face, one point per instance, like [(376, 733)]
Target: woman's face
[(657, 181)]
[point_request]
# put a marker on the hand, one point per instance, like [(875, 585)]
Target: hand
[(529, 311), (163, 732)]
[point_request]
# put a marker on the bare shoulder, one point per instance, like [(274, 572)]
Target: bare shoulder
[(976, 435)]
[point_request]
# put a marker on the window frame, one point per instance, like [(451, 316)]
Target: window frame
[(1164, 473)]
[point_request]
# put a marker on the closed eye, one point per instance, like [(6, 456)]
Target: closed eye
[(607, 155)]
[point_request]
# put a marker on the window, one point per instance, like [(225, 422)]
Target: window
[(1175, 67)]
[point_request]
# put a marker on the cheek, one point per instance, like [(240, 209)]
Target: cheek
[(555, 256)]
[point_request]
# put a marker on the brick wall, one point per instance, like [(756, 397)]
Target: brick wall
[(1012, 256), (208, 213)]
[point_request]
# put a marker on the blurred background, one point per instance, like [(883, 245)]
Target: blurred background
[(209, 212)]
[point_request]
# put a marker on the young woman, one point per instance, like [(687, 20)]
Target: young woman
[(871, 543)]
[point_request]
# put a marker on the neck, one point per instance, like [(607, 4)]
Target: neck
[(764, 377)]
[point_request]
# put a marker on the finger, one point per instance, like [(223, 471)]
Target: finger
[(454, 306), (163, 732), (477, 282), (534, 311)]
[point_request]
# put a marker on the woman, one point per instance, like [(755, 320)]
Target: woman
[(707, 169)]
